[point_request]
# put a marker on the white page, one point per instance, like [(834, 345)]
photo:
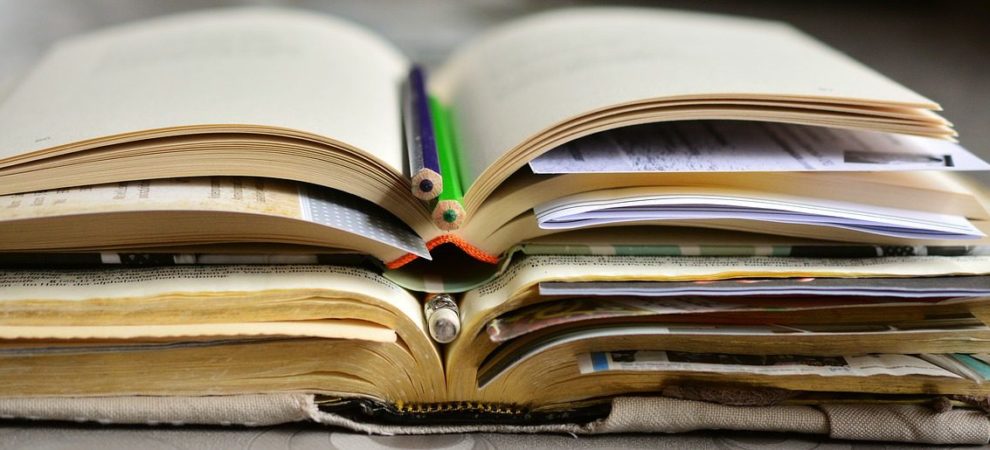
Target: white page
[(261, 67), (526, 76), (576, 212), (745, 146)]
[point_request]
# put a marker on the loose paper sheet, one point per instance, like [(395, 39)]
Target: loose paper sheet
[(858, 366), (631, 205), (573, 310), (746, 146), (927, 287), (351, 214), (534, 348)]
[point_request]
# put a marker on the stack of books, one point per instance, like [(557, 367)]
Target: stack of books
[(583, 215)]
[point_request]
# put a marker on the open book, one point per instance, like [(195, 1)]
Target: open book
[(312, 99)]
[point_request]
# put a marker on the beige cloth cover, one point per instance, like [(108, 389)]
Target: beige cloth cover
[(903, 423)]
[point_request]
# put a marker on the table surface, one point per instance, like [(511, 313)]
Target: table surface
[(940, 49), (305, 437)]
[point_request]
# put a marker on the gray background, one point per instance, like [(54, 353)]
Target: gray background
[(938, 48)]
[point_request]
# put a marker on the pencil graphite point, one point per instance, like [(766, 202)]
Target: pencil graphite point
[(427, 185), (448, 215)]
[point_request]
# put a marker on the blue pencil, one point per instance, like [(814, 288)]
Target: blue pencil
[(424, 164)]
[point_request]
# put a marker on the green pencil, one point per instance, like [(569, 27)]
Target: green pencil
[(448, 213)]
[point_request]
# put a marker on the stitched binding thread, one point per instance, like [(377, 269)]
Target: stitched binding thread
[(446, 407)]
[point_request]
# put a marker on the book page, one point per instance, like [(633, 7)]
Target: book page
[(532, 270), (203, 281), (240, 331), (242, 67), (220, 194), (529, 75), (263, 196)]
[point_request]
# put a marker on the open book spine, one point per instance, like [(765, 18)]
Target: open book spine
[(458, 412), (421, 143), (448, 213)]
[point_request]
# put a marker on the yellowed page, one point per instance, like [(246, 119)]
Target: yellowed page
[(327, 329), (529, 75), (203, 282), (243, 67)]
